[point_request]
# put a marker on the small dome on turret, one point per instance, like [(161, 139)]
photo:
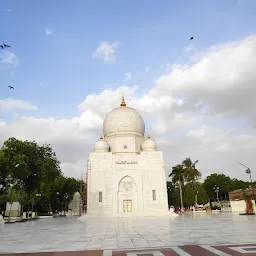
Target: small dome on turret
[(101, 145), (149, 145)]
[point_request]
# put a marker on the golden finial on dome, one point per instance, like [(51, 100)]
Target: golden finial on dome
[(101, 137), (148, 136), (123, 102)]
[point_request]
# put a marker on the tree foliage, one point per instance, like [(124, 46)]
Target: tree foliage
[(177, 175), (186, 172), (189, 196), (189, 176), (173, 195), (27, 164), (202, 197), (34, 172)]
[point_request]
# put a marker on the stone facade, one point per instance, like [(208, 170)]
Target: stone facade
[(126, 173), (14, 208)]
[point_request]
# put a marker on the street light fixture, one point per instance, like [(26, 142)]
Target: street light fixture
[(216, 190), (248, 171), (196, 204)]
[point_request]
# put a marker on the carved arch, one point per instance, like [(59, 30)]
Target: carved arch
[(127, 184)]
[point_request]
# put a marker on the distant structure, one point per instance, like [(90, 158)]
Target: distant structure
[(75, 204), (15, 209), (238, 194)]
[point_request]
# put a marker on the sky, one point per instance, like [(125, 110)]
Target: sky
[(70, 61)]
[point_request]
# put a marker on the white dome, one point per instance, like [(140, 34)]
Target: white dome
[(149, 145), (123, 120), (101, 146)]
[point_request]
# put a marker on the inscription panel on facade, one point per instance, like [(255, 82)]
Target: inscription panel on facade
[(126, 162)]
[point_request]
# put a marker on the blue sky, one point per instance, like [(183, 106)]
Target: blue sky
[(151, 34), (57, 60)]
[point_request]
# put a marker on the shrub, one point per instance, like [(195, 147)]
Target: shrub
[(43, 214), (215, 207)]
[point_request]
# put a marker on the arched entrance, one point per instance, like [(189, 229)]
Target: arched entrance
[(127, 195)]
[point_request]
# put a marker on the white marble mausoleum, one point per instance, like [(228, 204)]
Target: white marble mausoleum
[(126, 172)]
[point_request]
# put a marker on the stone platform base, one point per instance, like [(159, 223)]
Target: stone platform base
[(130, 215)]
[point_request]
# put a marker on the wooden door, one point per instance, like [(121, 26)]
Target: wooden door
[(127, 205)]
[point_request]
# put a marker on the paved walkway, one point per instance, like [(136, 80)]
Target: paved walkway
[(186, 250), (71, 234)]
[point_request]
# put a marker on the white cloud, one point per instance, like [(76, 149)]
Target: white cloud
[(106, 51), (14, 104), (68, 140), (10, 59), (48, 31), (127, 76), (222, 81), (217, 151), (108, 99), (189, 48), (200, 110)]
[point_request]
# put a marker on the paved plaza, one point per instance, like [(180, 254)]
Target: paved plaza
[(167, 236)]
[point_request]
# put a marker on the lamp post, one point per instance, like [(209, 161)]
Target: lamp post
[(216, 190), (57, 201), (248, 171), (168, 191), (196, 198), (181, 197), (65, 204)]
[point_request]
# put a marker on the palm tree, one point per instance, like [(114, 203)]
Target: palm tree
[(191, 174), (22, 198), (177, 175)]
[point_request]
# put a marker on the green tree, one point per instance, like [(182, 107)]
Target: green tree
[(33, 199), (191, 174), (202, 197), (239, 184), (173, 194), (29, 163), (3, 201), (177, 175), (220, 180), (189, 195), (45, 202), (3, 173), (22, 198), (63, 191)]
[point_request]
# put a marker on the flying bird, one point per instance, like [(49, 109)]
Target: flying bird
[(6, 45), (10, 87), (2, 46), (191, 38)]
